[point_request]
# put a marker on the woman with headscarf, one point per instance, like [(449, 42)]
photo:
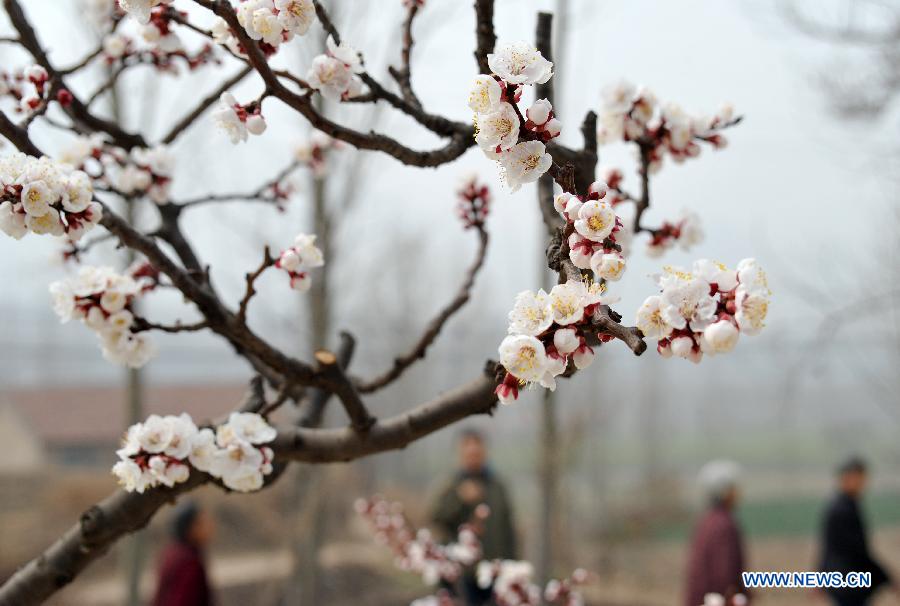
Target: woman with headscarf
[(182, 570)]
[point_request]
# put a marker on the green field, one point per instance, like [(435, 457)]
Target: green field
[(794, 516)]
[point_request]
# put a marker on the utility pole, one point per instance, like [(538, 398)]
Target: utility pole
[(134, 404), (549, 460)]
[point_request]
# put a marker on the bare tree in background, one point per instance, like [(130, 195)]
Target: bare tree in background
[(863, 85)]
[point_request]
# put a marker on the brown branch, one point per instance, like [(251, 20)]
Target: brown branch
[(267, 262), (317, 400), (345, 444), (207, 102), (123, 512), (99, 527), (643, 203), (485, 37), (18, 136), (459, 142), (606, 322), (141, 324), (403, 74), (418, 351), (255, 195), (76, 110), (83, 63), (328, 366), (255, 398), (552, 219)]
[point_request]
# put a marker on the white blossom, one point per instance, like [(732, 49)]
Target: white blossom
[(524, 357), (539, 112), (334, 74), (566, 340), (596, 220), (298, 260), (520, 63), (226, 118), (686, 302), (115, 45), (203, 449), (608, 266), (296, 15), (36, 198), (650, 320), (131, 477), (716, 273), (329, 76), (245, 426), (524, 162), (485, 94), (498, 129), (183, 431), (719, 337), (140, 9), (47, 223), (12, 222), (567, 302), (531, 314)]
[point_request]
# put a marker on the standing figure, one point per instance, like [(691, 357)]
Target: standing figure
[(463, 501), (845, 547), (182, 571), (716, 558)]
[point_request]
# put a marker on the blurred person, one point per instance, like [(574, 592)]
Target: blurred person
[(716, 558), (845, 546), (475, 495), (182, 570)]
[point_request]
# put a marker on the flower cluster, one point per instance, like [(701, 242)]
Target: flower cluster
[(161, 450), (28, 87), (592, 243), (632, 114), (704, 311), (474, 202), (270, 22), (140, 172), (104, 301), (499, 123), (299, 259), (238, 120), (334, 74), (416, 551), (161, 46), (41, 196), (546, 332), (685, 231), (141, 9), (313, 152), (509, 581)]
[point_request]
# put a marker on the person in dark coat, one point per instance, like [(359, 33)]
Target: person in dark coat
[(845, 547), (462, 501), (716, 558), (182, 570)]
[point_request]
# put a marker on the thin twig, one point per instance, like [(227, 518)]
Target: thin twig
[(433, 329)]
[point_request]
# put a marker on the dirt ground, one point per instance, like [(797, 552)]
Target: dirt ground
[(647, 574)]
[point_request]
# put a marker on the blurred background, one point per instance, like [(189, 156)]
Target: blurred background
[(807, 185)]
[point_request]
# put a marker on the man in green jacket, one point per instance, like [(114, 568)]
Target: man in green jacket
[(463, 499)]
